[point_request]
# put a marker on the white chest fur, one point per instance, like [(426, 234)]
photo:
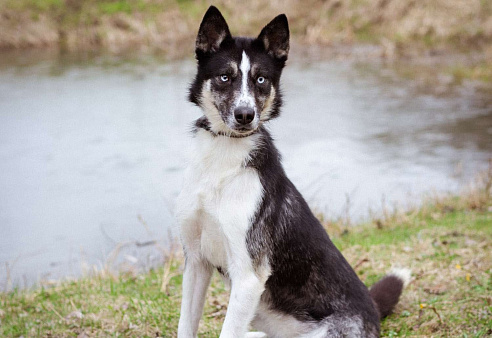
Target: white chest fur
[(219, 199)]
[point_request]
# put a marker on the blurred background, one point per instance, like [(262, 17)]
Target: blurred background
[(385, 101)]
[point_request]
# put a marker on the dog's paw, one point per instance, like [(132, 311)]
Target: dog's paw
[(255, 335)]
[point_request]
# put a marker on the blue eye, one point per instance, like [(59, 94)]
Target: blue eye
[(224, 78), (260, 80)]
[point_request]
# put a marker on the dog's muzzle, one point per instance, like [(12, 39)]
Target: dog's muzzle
[(244, 115)]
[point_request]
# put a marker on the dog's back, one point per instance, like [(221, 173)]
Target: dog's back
[(311, 286)]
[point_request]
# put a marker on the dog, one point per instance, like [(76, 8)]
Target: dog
[(239, 213)]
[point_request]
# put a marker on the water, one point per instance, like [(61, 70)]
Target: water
[(92, 152)]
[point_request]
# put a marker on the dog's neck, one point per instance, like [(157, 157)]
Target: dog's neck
[(203, 123)]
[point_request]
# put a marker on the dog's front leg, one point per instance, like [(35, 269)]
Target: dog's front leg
[(246, 290), (196, 278)]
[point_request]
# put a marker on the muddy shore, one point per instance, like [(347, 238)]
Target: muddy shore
[(394, 28)]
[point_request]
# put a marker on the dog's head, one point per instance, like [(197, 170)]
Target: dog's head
[(237, 83)]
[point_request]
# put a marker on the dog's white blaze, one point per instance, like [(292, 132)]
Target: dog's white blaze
[(245, 97)]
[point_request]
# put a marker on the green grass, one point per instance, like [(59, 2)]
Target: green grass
[(37, 6), (405, 232), (449, 296), (115, 7), (74, 13), (446, 242), (452, 266), (481, 71)]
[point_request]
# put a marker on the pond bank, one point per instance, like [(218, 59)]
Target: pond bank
[(396, 29), (446, 242)]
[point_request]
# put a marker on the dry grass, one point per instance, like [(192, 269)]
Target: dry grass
[(399, 27)]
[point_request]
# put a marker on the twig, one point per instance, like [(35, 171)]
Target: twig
[(113, 255), (166, 277), (8, 268), (147, 243), (7, 277), (73, 305), (435, 311), (362, 261), (105, 234), (56, 312), (421, 312), (142, 221)]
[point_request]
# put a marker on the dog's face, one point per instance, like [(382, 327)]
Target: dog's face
[(237, 83)]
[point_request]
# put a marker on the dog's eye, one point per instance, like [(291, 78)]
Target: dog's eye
[(260, 80), (224, 78)]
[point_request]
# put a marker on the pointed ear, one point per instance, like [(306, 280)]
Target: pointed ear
[(213, 31), (275, 37)]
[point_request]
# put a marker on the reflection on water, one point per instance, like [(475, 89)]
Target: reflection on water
[(92, 150)]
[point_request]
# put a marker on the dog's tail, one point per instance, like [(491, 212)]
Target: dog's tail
[(386, 292)]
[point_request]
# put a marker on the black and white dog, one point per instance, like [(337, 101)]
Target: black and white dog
[(240, 214)]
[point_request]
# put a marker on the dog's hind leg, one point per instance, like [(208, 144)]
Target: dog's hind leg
[(196, 279)]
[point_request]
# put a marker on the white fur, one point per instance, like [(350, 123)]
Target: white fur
[(195, 282), (404, 274), (245, 97), (215, 210), (255, 335), (278, 325)]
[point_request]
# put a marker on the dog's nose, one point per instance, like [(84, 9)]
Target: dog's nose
[(244, 115)]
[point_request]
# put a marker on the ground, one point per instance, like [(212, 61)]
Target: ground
[(446, 242)]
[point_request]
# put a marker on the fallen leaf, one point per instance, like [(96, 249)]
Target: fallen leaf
[(436, 289)]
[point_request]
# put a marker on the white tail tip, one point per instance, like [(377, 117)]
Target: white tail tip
[(404, 274)]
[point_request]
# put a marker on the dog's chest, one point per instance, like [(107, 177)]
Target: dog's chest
[(219, 198)]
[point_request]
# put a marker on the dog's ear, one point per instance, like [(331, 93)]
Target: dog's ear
[(213, 31), (275, 37)]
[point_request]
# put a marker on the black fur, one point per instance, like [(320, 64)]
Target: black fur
[(310, 279), (214, 62), (212, 33), (275, 37), (386, 294)]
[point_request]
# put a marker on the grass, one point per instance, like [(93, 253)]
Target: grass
[(447, 242), (480, 71), (451, 261)]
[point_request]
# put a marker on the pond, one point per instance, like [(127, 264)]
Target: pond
[(92, 152)]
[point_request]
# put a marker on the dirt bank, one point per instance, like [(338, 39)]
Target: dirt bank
[(398, 28)]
